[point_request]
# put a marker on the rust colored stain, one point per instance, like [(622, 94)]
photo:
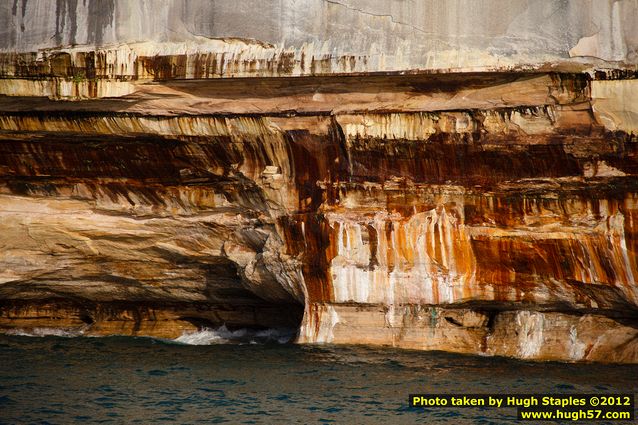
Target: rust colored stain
[(461, 211), (310, 239)]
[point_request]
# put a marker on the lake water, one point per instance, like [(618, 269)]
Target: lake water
[(249, 378)]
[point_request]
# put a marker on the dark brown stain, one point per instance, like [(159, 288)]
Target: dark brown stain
[(505, 178)]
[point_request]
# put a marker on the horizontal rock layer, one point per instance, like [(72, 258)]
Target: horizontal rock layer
[(479, 213), (522, 333), (284, 37)]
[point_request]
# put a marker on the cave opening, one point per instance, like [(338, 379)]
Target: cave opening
[(239, 308)]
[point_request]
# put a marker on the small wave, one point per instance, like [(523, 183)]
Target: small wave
[(204, 336), (222, 335), (41, 332)]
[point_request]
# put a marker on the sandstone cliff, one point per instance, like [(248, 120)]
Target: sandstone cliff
[(417, 174)]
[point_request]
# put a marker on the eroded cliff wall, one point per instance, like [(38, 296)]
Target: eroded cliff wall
[(435, 179)]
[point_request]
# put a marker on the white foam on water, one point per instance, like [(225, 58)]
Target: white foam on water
[(42, 332), (205, 336), (222, 335)]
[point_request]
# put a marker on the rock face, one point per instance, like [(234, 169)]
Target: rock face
[(480, 198)]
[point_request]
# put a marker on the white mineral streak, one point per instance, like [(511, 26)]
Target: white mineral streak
[(530, 333), (576, 347), (289, 38), (621, 260), (416, 126), (365, 35), (426, 259), (419, 126), (243, 58), (318, 324)]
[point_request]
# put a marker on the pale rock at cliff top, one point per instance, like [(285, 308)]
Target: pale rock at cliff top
[(451, 175)]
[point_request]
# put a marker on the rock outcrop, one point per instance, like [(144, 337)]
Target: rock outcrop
[(480, 198)]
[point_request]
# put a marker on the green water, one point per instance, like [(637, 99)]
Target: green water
[(120, 380)]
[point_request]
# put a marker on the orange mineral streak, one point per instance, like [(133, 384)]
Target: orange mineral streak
[(511, 250), (422, 259), (578, 241), (470, 213)]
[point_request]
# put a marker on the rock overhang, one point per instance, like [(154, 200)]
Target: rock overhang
[(481, 202)]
